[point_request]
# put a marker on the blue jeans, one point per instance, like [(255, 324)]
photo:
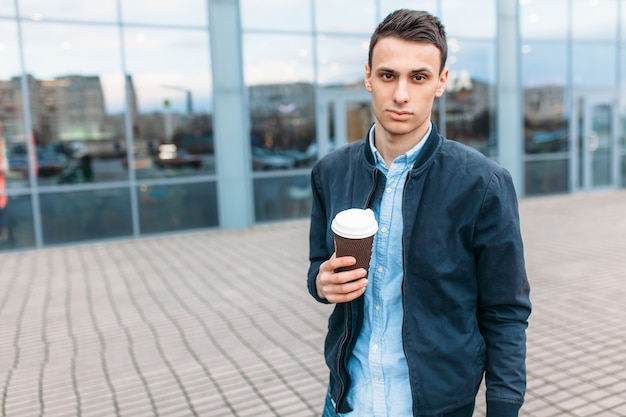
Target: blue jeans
[(465, 411)]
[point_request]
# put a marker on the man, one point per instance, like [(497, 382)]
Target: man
[(446, 299)]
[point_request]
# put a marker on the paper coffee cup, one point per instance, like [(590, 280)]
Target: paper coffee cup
[(354, 231)]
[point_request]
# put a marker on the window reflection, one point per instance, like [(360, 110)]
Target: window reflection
[(345, 16), (388, 6), (594, 19), (102, 10), (470, 95), (173, 207), (165, 12), (282, 198), (282, 15), (547, 177), (7, 9), (12, 137), (543, 19), (169, 89), (586, 61), (85, 215), (16, 222), (475, 19), (341, 60), (282, 101), (544, 69), (76, 95)]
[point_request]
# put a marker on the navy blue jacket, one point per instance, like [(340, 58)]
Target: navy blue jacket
[(465, 292)]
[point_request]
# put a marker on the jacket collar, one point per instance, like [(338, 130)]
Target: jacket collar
[(432, 142)]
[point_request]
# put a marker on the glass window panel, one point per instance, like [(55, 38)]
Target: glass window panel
[(476, 19), (16, 223), (547, 177), (282, 198), (282, 126), (543, 19), (103, 10), (164, 208), (623, 182), (544, 73), (388, 6), (290, 59), (13, 155), (470, 95), (341, 60), (586, 72), (7, 8), (281, 97), (544, 63), (169, 84), (345, 16), (85, 215), (166, 12), (594, 19), (77, 102), (281, 15)]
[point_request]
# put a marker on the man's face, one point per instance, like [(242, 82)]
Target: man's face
[(404, 81)]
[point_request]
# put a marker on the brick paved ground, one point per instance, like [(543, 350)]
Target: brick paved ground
[(218, 323)]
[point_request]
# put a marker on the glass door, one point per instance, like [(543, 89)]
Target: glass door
[(595, 136), (344, 116)]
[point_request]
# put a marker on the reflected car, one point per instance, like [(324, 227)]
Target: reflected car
[(49, 164), (265, 159), (177, 158), (548, 141)]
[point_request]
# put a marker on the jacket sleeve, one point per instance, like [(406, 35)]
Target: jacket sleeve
[(318, 252), (503, 296)]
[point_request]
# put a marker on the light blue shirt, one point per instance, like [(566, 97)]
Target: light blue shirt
[(378, 368)]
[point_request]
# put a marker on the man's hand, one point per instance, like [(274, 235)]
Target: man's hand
[(343, 286)]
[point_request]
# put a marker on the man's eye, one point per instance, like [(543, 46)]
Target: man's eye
[(419, 78), (387, 76)]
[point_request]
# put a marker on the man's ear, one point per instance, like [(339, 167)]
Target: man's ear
[(368, 78), (443, 79)]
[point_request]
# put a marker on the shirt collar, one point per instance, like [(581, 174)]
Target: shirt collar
[(408, 158)]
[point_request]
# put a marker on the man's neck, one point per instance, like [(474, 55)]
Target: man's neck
[(392, 146)]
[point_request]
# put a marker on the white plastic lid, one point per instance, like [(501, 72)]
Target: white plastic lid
[(355, 223)]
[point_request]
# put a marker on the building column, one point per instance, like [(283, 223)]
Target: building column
[(230, 116), (510, 110)]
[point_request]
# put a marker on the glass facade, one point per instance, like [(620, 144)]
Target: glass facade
[(106, 108), (572, 73)]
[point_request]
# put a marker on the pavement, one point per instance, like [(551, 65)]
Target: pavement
[(218, 323)]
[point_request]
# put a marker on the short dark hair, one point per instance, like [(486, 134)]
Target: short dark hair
[(412, 25)]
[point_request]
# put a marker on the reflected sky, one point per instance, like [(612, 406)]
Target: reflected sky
[(294, 15), (9, 55), (179, 12), (167, 57), (475, 19), (289, 59)]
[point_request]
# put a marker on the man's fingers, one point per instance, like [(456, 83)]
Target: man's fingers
[(342, 293)]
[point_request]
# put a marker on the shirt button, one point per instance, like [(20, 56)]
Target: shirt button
[(380, 269), (377, 308), (388, 190), (375, 348), (375, 379), (383, 229)]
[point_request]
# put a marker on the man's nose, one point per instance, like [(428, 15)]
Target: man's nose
[(401, 94)]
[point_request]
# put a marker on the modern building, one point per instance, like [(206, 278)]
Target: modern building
[(126, 118)]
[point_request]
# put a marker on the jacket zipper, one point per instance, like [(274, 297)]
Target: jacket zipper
[(341, 355)]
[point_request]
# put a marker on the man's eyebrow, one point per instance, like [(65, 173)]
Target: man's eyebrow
[(413, 72)]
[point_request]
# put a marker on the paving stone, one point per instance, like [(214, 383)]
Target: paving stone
[(219, 323)]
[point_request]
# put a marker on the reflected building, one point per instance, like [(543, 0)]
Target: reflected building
[(139, 121)]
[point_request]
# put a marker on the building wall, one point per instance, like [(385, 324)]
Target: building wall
[(121, 119)]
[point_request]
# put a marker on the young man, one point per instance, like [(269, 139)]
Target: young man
[(446, 299)]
